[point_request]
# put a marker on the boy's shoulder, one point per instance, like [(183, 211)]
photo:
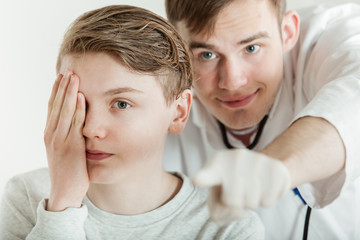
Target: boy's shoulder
[(33, 185), (195, 213), (35, 173), (34, 177)]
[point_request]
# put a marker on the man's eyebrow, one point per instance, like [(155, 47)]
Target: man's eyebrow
[(200, 45), (258, 35), (254, 37), (121, 90)]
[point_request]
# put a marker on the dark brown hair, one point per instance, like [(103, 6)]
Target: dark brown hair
[(200, 15), (141, 40)]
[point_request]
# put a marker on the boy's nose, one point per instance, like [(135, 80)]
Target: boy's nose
[(94, 126)]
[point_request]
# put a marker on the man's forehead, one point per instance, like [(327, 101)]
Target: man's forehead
[(230, 22), (190, 37), (183, 29)]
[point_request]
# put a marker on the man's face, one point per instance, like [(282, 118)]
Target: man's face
[(127, 118), (239, 67)]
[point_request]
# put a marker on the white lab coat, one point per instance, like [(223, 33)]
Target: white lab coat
[(322, 79)]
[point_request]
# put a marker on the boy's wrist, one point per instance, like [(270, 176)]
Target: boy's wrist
[(59, 205)]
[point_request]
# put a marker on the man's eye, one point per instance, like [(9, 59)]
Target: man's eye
[(208, 55), (121, 105), (252, 48)]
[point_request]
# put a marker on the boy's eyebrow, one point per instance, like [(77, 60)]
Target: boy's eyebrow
[(121, 90), (253, 37)]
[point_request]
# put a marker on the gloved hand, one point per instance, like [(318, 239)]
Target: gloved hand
[(241, 179)]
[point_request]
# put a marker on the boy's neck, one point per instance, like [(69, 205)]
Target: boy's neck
[(135, 196)]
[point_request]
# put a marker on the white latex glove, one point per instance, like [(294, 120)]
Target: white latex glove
[(240, 179)]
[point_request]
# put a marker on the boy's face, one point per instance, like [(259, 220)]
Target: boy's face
[(127, 118), (239, 67)]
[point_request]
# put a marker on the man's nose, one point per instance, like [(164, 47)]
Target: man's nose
[(232, 74)]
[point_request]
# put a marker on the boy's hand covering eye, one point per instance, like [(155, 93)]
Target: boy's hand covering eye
[(65, 144), (241, 179)]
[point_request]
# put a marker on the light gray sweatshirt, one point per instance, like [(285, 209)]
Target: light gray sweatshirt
[(186, 216)]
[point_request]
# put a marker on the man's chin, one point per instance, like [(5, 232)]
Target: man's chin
[(238, 121)]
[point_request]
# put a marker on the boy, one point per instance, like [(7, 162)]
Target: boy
[(124, 84)]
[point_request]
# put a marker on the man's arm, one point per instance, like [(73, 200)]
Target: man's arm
[(311, 148)]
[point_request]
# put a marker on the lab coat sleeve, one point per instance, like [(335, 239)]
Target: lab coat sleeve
[(331, 85)]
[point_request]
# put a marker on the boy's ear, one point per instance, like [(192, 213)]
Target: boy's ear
[(290, 29), (182, 111)]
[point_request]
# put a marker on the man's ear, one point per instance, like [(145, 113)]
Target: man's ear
[(182, 111), (290, 29)]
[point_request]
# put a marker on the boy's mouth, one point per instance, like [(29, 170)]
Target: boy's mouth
[(97, 155)]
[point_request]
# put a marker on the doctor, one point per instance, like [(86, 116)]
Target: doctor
[(274, 123)]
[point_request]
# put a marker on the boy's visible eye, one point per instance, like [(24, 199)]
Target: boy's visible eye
[(208, 55), (252, 48), (121, 105)]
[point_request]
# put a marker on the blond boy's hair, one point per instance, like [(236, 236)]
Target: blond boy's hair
[(141, 40)]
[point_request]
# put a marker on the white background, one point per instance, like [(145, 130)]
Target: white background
[(30, 36)]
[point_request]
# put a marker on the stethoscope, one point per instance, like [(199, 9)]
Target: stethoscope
[(251, 146)]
